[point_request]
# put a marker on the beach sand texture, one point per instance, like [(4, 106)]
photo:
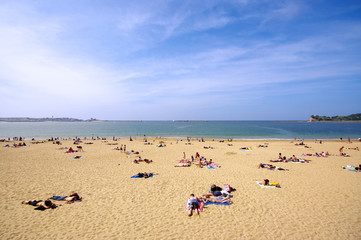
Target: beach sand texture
[(317, 200)]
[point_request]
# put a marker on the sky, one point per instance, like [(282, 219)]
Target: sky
[(180, 60)]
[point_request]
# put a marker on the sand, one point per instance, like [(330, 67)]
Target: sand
[(317, 200)]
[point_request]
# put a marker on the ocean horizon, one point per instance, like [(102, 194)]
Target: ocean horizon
[(237, 130)]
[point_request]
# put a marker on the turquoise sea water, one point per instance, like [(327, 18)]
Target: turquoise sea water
[(210, 129)]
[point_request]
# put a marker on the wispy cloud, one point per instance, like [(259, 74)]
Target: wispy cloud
[(146, 57)]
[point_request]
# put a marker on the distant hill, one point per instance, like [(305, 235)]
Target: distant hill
[(349, 118)]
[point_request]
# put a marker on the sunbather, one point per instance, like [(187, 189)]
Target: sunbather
[(265, 165), (216, 200), (40, 203), (145, 175), (69, 199), (266, 182)]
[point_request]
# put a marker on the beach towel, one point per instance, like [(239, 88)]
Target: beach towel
[(77, 157), (349, 168), (188, 206), (135, 176), (260, 183), (211, 167)]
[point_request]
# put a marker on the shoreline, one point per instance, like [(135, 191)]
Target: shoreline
[(183, 139)]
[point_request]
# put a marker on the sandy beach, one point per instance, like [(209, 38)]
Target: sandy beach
[(317, 200)]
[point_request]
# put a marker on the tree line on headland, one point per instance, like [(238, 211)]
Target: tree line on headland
[(349, 118)]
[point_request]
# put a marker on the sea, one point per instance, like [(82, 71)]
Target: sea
[(237, 130)]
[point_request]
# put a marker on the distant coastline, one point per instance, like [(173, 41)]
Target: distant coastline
[(27, 119), (354, 118)]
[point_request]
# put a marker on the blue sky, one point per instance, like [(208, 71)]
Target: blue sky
[(164, 60)]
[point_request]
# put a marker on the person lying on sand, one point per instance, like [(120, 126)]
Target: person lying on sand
[(266, 182), (183, 164), (146, 175), (216, 200), (270, 167), (282, 159), (265, 165), (40, 203), (356, 148), (69, 199)]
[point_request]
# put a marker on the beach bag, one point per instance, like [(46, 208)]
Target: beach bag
[(227, 188)]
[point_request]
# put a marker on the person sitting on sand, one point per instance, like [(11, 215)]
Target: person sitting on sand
[(194, 205), (341, 150), (42, 204), (71, 150), (215, 191)]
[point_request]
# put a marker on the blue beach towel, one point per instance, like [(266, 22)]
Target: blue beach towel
[(211, 167), (77, 157)]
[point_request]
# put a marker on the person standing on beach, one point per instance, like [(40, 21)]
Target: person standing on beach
[(184, 155)]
